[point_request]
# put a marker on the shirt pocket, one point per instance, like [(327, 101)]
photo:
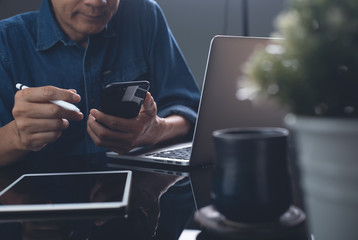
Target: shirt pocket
[(127, 72)]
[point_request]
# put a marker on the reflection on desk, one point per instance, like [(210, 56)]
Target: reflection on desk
[(160, 204)]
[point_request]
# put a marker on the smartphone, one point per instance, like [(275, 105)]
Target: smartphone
[(123, 99)]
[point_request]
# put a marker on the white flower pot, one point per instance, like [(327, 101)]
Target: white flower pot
[(328, 161)]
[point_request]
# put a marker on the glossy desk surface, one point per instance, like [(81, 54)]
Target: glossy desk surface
[(162, 201)]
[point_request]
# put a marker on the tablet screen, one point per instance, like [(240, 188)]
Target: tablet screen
[(78, 192)]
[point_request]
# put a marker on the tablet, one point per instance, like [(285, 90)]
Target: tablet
[(63, 195)]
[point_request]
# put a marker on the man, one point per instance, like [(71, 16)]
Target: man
[(68, 51)]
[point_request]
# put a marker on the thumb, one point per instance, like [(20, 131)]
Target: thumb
[(149, 105)]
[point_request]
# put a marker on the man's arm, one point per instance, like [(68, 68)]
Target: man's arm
[(9, 147), (37, 122)]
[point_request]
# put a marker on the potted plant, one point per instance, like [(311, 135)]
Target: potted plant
[(312, 70)]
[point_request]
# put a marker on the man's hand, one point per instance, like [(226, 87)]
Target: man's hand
[(120, 134), (37, 120)]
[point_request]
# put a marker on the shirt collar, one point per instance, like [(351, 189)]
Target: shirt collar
[(49, 32)]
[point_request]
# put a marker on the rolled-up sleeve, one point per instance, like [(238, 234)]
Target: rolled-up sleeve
[(182, 110)]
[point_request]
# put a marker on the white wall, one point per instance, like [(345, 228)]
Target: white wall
[(194, 22)]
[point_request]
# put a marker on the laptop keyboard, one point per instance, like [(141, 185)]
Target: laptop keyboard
[(179, 153)]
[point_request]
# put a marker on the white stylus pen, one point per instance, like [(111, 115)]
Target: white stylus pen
[(60, 103)]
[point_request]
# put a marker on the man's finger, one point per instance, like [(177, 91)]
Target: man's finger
[(49, 93)]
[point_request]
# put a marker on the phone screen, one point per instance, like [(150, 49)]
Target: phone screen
[(124, 99)]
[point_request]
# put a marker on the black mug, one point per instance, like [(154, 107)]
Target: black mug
[(251, 181)]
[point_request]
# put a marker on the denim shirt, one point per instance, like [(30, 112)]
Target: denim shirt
[(135, 45)]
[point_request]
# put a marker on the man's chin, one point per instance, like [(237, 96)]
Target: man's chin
[(93, 30)]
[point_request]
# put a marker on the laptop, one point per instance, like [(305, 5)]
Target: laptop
[(219, 106)]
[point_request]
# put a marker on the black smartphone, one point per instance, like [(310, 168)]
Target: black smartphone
[(123, 99)]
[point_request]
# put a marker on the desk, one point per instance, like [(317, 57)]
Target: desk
[(159, 202)]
